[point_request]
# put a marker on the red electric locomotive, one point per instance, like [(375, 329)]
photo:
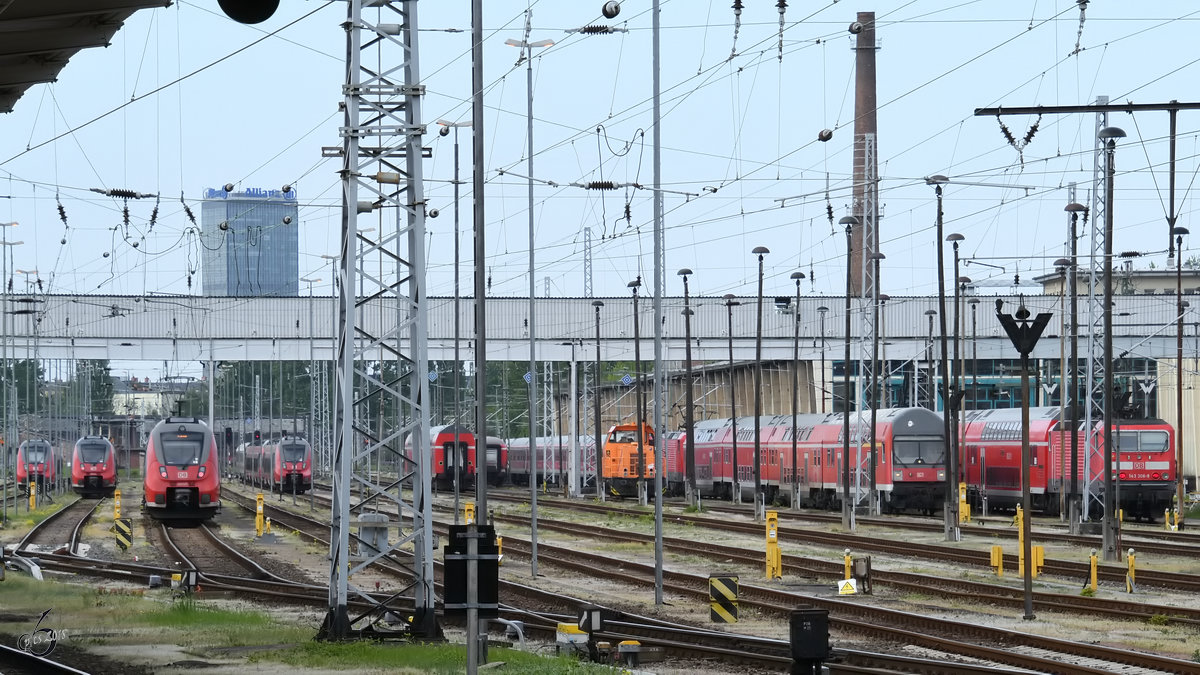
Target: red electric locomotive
[(992, 461), (94, 467), (37, 462), (182, 480)]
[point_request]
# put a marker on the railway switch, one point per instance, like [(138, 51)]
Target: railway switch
[(774, 556)]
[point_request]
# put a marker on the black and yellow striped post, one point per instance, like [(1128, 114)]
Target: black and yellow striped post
[(722, 598), (123, 528)]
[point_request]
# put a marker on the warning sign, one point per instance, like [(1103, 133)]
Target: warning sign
[(847, 587)]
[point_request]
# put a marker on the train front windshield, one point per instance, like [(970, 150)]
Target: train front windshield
[(292, 452), (181, 449), (36, 454), (92, 453), (917, 453), (1143, 441)]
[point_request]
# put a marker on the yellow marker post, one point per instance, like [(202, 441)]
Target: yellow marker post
[(117, 504), (848, 562), (1131, 573), (964, 509), (499, 551), (469, 512), (258, 515), (1039, 559), (1019, 521), (998, 560), (1093, 571), (32, 494), (774, 557)]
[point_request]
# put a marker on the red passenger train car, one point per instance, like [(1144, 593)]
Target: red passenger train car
[(280, 465), (93, 467), (551, 460), (910, 471), (181, 479), (991, 450), (453, 454), (37, 462)]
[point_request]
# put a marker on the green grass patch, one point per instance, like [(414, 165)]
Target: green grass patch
[(411, 658)]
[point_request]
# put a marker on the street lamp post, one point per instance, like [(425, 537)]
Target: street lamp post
[(312, 366), (821, 311), (730, 303), (641, 402), (930, 394), (1074, 209), (847, 506), (955, 388), (1109, 136), (446, 126), (598, 441), (1179, 231), (797, 277), (689, 410), (759, 497), (951, 507)]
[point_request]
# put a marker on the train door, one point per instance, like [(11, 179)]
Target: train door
[(455, 454)]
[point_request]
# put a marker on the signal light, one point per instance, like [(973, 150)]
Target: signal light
[(257, 435), (249, 11)]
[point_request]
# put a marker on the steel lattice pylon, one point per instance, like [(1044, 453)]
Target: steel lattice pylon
[(1096, 396), (868, 213), (381, 353)]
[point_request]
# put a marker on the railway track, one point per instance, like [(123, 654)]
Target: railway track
[(951, 637), (889, 545), (60, 530)]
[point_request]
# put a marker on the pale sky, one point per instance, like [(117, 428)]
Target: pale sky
[(186, 99)]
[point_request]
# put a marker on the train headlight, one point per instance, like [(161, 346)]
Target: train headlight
[(203, 470), (1121, 476), (162, 472)]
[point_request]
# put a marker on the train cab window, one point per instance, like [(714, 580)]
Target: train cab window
[(1152, 441), (35, 453), (293, 452), (92, 453), (181, 449), (917, 452)]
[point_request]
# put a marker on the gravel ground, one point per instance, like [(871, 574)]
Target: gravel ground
[(291, 557)]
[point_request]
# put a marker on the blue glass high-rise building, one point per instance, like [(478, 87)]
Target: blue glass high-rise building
[(250, 243)]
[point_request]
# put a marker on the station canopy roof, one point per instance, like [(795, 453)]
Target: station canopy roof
[(39, 37)]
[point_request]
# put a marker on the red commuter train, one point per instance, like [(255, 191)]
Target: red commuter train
[(181, 479), (37, 462), (453, 453), (283, 464), (1145, 477), (93, 467), (910, 470)]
